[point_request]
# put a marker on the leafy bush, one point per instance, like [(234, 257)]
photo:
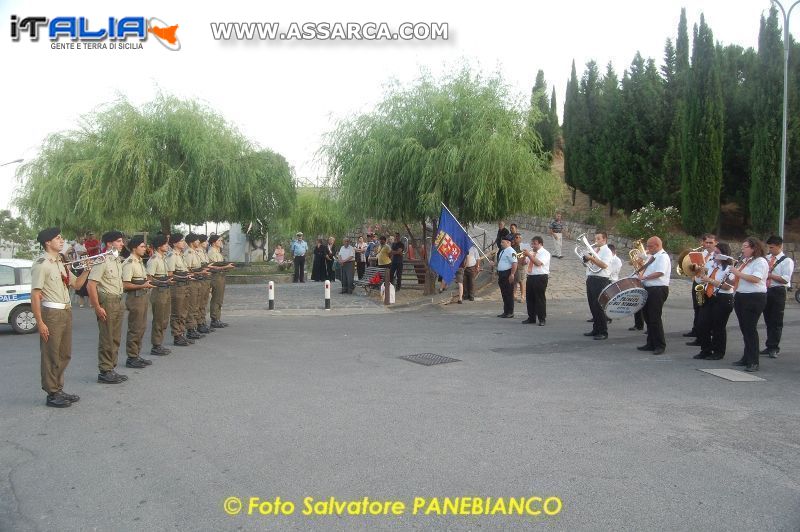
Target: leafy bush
[(594, 217), (649, 221)]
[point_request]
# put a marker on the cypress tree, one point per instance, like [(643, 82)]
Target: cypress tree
[(556, 130), (610, 143), (765, 159), (542, 123), (702, 137), (675, 79), (571, 111)]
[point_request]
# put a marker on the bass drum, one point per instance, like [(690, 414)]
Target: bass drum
[(623, 298)]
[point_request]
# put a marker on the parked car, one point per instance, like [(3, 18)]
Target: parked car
[(15, 295)]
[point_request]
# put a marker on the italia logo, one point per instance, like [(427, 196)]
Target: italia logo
[(125, 32)]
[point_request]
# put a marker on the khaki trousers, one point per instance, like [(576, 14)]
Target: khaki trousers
[(56, 352), (194, 297), (217, 296), (110, 332), (136, 302), (160, 299), (178, 308)]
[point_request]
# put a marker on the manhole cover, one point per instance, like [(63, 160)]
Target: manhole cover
[(429, 359)]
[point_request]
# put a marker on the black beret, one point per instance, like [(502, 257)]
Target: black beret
[(175, 238), (111, 236), (213, 238), (509, 238), (191, 237), (202, 237), (158, 241), (135, 241), (46, 235)]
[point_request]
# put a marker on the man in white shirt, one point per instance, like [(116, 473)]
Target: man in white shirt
[(779, 279), (538, 260), (347, 259), (596, 281), (655, 278), (615, 266), (708, 241), (471, 269)]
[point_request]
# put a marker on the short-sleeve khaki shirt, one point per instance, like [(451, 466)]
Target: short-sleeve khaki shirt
[(47, 275), (108, 276), (132, 269), (157, 265)]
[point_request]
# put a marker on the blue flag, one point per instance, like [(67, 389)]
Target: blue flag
[(449, 247)]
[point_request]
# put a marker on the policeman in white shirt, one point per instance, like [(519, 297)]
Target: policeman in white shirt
[(538, 260), (596, 283), (655, 279), (471, 269), (779, 280)]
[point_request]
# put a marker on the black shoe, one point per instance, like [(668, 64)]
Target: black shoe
[(715, 357), (601, 336), (216, 324), (528, 321), (57, 400), (179, 341), (646, 348), (135, 363), (702, 355), (501, 315), (590, 320), (159, 351), (109, 377), (190, 342), (146, 361), (541, 323), (764, 351), (634, 329), (591, 333), (471, 298), (751, 368), (72, 398), (120, 375), (772, 354), (694, 343), (658, 351), (740, 363), (508, 316), (192, 334), (690, 334), (202, 328)]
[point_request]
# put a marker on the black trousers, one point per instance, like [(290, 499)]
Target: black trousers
[(594, 285), (638, 320), (396, 274), (299, 269), (507, 291), (773, 315), (695, 307), (535, 288), (360, 267), (656, 296), (748, 307), (712, 322), (469, 281)]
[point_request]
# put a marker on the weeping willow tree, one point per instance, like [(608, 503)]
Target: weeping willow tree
[(171, 160), (461, 140)]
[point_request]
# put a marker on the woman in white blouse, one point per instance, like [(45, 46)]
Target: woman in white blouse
[(750, 281), (715, 311)]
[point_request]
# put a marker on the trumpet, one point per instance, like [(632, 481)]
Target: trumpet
[(94, 260), (582, 249)]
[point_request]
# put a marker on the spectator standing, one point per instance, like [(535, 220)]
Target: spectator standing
[(556, 228)]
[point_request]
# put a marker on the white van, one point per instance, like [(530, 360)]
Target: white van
[(15, 295)]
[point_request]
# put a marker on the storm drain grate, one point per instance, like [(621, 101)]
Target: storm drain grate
[(429, 359)]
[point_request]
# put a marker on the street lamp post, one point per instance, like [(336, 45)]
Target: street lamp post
[(786, 46)]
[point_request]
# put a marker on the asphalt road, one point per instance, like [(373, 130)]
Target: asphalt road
[(296, 406)]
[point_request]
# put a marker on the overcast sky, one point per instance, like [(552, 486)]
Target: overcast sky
[(285, 95)]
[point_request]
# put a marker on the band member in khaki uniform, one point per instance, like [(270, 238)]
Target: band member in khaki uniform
[(205, 283), (192, 260), (137, 290), (217, 279), (50, 304), (159, 296), (105, 295), (179, 292)]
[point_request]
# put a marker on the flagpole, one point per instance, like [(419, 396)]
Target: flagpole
[(465, 231)]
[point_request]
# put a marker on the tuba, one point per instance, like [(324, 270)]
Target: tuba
[(582, 249), (637, 255)]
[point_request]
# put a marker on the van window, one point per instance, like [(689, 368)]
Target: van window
[(7, 276)]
